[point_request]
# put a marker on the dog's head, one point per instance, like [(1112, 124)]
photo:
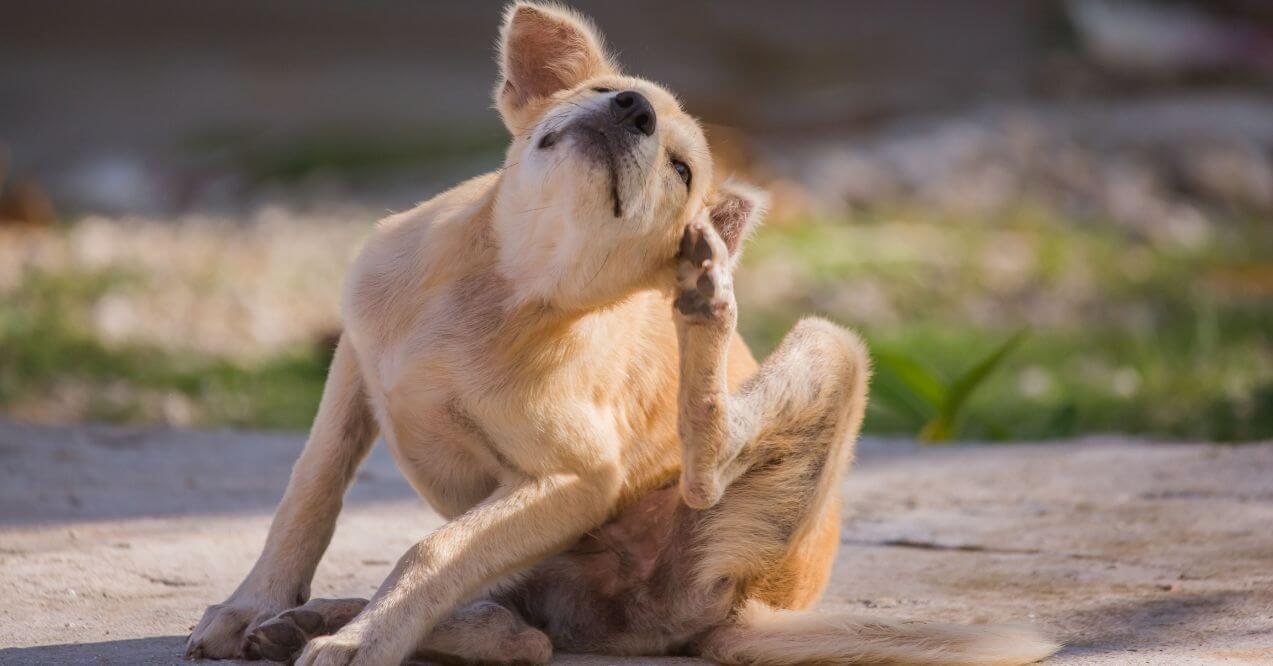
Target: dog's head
[(605, 170)]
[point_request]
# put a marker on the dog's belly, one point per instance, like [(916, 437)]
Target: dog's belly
[(627, 587)]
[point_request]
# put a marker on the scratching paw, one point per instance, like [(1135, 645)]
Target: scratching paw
[(705, 290)]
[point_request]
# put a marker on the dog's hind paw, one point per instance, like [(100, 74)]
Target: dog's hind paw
[(705, 290), (282, 637)]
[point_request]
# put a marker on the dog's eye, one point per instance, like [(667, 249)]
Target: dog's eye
[(603, 90), (682, 170)]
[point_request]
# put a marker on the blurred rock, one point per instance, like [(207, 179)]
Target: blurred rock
[(1167, 38), (1159, 166)]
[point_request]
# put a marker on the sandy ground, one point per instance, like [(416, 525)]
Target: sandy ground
[(112, 541)]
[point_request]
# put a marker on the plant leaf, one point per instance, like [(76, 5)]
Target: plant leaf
[(942, 426), (889, 391), (920, 380)]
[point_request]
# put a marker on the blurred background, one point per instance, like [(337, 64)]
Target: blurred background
[(1048, 218)]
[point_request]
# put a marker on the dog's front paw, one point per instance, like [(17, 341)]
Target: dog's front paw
[(335, 650), (359, 644), (705, 290), (220, 633)]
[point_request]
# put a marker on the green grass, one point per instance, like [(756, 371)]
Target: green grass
[(908, 386), (1176, 392), (1153, 340)]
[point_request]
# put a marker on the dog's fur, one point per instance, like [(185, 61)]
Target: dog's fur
[(545, 349)]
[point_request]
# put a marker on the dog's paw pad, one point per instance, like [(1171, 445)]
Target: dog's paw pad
[(704, 286), (279, 639)]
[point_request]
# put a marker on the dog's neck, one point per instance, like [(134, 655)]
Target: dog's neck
[(550, 266)]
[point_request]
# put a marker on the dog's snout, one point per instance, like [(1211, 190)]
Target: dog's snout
[(633, 112)]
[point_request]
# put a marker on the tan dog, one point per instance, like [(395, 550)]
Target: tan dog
[(544, 349)]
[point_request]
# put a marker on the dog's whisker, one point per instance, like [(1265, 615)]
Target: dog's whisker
[(601, 267), (535, 210), (551, 170)]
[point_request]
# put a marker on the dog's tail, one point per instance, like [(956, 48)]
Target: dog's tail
[(762, 635)]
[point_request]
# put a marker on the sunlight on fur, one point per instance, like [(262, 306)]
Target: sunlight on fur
[(546, 350)]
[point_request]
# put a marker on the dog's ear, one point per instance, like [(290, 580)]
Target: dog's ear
[(735, 211), (544, 49)]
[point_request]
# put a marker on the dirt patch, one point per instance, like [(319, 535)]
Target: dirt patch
[(1130, 552)]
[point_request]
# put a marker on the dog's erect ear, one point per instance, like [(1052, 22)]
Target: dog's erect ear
[(735, 212), (544, 49)]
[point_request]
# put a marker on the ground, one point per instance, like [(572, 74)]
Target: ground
[(113, 540)]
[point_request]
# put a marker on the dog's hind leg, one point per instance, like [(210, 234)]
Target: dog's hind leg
[(481, 632), (765, 463), (488, 633)]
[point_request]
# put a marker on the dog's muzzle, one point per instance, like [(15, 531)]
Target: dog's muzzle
[(616, 128)]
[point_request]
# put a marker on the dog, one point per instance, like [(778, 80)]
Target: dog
[(550, 354)]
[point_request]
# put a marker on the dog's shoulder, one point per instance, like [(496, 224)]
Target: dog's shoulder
[(411, 253)]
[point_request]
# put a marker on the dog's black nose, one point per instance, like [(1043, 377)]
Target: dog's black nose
[(632, 111)]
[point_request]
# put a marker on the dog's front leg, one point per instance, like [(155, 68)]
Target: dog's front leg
[(305, 519), (515, 527)]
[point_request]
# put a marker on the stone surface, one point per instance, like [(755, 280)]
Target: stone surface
[(112, 541)]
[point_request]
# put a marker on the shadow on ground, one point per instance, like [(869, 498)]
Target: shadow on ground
[(92, 473), (1159, 624), (140, 651)]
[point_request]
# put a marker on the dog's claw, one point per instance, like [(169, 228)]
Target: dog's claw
[(702, 250)]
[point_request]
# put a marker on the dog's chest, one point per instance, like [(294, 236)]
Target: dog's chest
[(514, 392), (440, 400)]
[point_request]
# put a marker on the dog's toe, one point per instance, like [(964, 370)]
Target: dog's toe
[(309, 621), (278, 639)]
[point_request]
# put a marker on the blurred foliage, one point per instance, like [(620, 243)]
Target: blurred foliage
[(46, 350), (1127, 333), (353, 157), (905, 385)]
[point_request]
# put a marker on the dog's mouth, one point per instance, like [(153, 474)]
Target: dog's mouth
[(604, 147), (612, 169)]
